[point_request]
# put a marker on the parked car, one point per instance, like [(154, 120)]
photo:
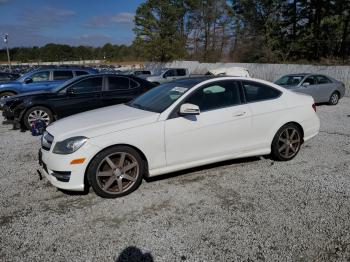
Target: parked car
[(168, 74), (42, 79), (175, 126), (323, 89), (5, 77), (229, 71), (75, 96)]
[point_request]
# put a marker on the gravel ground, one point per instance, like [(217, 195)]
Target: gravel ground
[(244, 210)]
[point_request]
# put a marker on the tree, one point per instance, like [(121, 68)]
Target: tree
[(159, 36)]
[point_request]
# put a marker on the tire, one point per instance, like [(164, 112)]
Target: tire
[(37, 113), (6, 94), (287, 142), (106, 173), (334, 99)]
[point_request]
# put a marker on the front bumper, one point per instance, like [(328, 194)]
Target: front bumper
[(61, 173), (8, 113)]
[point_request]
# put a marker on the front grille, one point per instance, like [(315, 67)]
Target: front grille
[(46, 141)]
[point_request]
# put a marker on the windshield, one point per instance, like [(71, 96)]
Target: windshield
[(159, 98), (289, 80)]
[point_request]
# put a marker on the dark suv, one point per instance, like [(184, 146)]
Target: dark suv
[(42, 79), (75, 96)]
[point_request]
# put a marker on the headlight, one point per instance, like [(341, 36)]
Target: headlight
[(69, 145)]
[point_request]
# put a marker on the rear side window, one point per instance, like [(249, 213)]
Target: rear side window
[(322, 80), (88, 85), (62, 75), (181, 72), (216, 95), (118, 83), (81, 73), (258, 92)]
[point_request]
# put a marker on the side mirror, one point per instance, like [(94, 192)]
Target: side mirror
[(306, 84), (189, 109), (28, 80), (70, 91)]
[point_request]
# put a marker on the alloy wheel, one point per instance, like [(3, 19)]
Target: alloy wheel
[(289, 142), (117, 173), (334, 99), (38, 115)]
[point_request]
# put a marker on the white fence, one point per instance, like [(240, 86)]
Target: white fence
[(268, 72)]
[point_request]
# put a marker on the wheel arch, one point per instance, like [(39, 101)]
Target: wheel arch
[(142, 155), (9, 91), (21, 116), (291, 122)]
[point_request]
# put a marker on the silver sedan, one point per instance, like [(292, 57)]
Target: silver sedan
[(323, 89)]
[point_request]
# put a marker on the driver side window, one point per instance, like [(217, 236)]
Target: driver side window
[(311, 80), (216, 95), (41, 76), (88, 85), (169, 73)]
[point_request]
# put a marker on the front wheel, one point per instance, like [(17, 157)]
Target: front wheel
[(37, 113), (334, 99), (6, 94), (286, 143), (116, 172)]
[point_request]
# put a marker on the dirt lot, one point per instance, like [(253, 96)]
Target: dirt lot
[(245, 210)]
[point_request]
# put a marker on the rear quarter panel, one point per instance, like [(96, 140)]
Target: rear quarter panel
[(269, 116)]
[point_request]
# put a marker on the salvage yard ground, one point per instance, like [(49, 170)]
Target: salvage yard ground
[(243, 210)]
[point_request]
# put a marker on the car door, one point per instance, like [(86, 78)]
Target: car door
[(37, 81), (120, 89), (181, 73), (326, 87), (309, 86), (81, 96), (218, 131)]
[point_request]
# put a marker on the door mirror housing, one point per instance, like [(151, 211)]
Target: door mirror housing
[(70, 91), (28, 80), (305, 84), (189, 110)]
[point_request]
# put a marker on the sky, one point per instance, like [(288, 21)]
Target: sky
[(74, 22)]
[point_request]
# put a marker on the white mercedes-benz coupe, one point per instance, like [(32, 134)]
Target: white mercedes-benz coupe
[(175, 126)]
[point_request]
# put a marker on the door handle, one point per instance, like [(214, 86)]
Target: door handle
[(239, 113)]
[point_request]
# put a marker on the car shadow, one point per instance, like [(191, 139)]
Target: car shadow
[(134, 254), (204, 167)]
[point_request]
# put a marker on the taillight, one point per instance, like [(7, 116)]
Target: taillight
[(314, 107)]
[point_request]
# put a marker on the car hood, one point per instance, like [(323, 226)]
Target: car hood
[(101, 121), (10, 83), (153, 77), (290, 86), (34, 93)]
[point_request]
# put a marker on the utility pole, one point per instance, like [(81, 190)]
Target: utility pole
[(7, 50)]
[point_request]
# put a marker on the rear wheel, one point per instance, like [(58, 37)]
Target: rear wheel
[(116, 172), (287, 142), (334, 99), (37, 113), (6, 94)]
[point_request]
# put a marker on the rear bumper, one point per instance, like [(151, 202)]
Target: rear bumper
[(311, 127)]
